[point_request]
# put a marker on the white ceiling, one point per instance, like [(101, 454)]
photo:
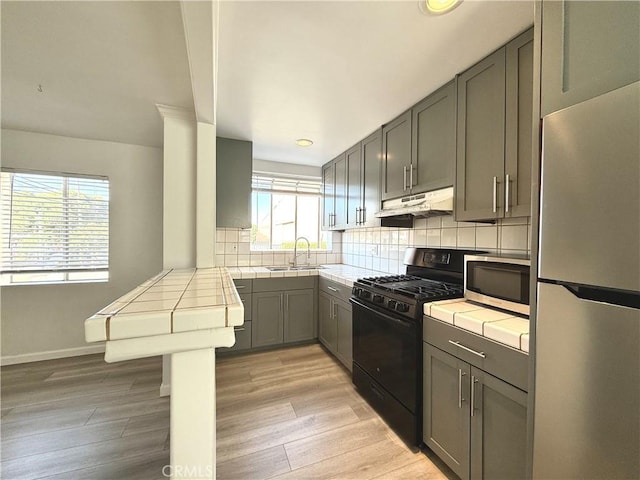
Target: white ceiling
[(329, 71)]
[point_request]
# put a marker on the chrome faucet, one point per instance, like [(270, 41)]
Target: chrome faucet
[(295, 251)]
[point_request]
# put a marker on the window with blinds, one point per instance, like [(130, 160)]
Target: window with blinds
[(55, 228), (283, 209)]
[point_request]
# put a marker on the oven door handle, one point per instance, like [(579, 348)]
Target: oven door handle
[(388, 318)]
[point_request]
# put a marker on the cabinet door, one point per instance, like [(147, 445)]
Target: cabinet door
[(498, 429), (433, 143), (588, 48), (327, 326), (371, 154), (354, 185), (234, 160), (396, 156), (446, 408), (328, 195), (268, 320), (344, 348), (519, 126), (299, 315), (480, 139), (340, 208)]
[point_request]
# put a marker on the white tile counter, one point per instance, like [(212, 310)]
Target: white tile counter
[(499, 326), (184, 313), (345, 274)]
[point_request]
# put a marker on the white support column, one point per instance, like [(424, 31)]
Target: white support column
[(193, 415), (206, 196)]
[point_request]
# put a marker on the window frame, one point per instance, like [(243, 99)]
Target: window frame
[(10, 275), (297, 187)]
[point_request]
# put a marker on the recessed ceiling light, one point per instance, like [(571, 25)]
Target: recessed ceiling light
[(437, 7), (304, 142)]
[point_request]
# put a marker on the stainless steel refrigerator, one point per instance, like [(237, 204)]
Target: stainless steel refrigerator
[(587, 390)]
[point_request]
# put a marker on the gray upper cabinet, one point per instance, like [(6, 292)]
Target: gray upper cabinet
[(354, 185), (335, 188), (588, 48), (396, 157), (494, 131), (433, 140), (234, 160), (371, 149), (328, 195)]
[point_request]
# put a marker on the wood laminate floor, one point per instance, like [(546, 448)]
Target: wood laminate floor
[(286, 414)]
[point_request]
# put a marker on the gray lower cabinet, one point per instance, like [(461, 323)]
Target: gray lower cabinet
[(475, 422), (234, 162), (474, 419), (588, 48), (335, 322), (494, 134), (283, 311)]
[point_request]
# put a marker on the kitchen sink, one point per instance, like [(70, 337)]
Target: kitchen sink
[(289, 268)]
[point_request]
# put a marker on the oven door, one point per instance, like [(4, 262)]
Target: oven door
[(385, 347)]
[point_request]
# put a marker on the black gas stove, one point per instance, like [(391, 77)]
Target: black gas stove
[(387, 333)]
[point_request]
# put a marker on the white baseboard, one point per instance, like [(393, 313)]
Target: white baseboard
[(51, 354), (165, 390)]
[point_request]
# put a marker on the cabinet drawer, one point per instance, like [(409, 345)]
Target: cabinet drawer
[(289, 283), (243, 339), (335, 289), (246, 301), (243, 286), (501, 361)]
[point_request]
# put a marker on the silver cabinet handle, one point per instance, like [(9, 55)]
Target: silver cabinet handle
[(458, 344), (460, 375), (238, 329), (358, 216), (332, 289), (363, 214), (404, 181), (506, 193), (240, 287), (474, 380), (411, 176), (335, 315), (495, 194)]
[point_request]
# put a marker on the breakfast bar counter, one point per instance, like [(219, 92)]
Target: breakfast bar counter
[(186, 313)]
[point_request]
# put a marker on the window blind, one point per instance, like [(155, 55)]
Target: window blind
[(54, 223), (284, 184)]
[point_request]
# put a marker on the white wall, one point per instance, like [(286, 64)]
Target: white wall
[(49, 318)]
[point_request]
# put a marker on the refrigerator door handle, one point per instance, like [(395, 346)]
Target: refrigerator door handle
[(611, 296)]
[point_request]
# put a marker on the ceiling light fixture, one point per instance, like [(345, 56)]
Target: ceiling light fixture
[(304, 142), (437, 7)]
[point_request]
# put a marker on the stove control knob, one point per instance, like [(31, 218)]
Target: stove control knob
[(402, 307), (365, 294), (378, 299), (392, 304), (356, 292)]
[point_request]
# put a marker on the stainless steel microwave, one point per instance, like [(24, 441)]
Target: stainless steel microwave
[(501, 282)]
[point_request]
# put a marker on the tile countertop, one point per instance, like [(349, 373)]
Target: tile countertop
[(171, 302), (502, 327), (345, 274)]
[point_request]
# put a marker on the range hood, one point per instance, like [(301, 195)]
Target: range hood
[(437, 202)]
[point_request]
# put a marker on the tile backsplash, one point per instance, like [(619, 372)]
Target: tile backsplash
[(234, 250), (382, 248)]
